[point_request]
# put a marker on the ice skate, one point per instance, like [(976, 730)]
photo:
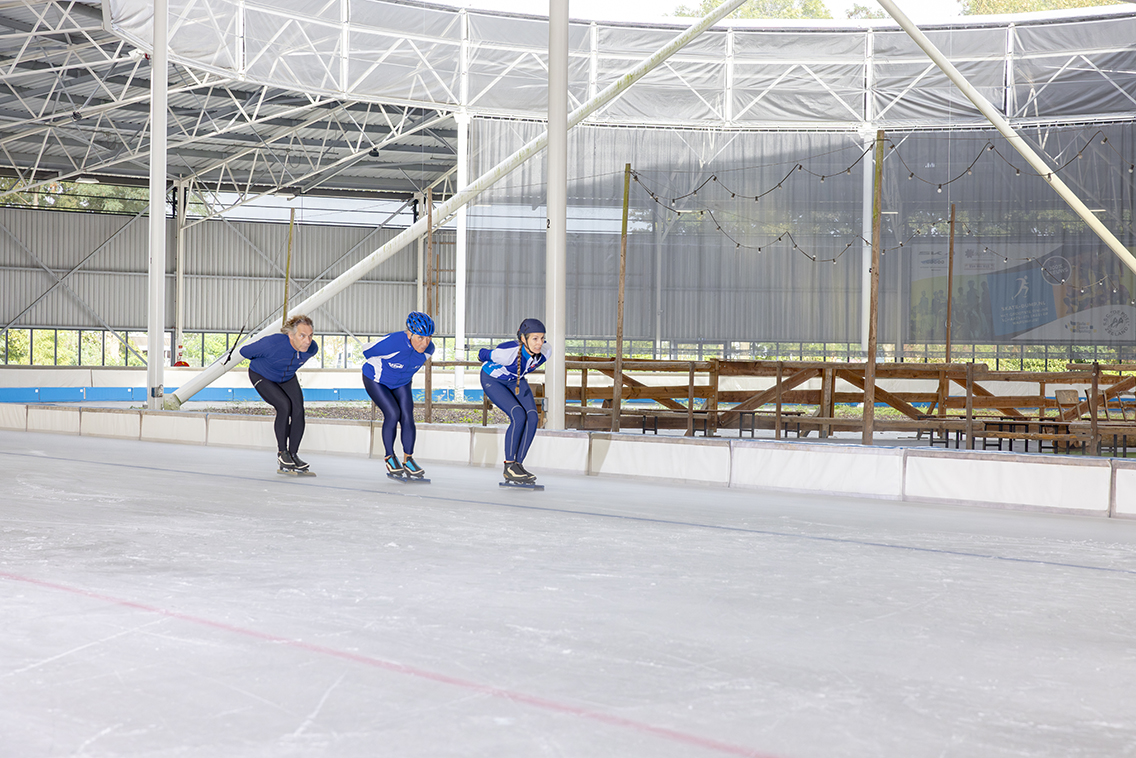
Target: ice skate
[(301, 467), (528, 474), (285, 463), (412, 468), (395, 469), (410, 471), (516, 476)]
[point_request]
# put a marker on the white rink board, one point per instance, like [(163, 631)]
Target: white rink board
[(14, 417), (243, 431), (51, 419), (815, 468), (45, 377), (487, 446), (682, 460), (121, 377), (1013, 481), (342, 437), (559, 451), (1125, 503), (187, 429), (106, 422), (435, 442)]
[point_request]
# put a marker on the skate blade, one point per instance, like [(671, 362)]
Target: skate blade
[(409, 479), (523, 486), (288, 472)]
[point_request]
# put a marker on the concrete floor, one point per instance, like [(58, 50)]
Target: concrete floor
[(169, 600)]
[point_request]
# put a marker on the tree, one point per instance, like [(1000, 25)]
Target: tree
[(991, 7), (763, 9), (864, 11)]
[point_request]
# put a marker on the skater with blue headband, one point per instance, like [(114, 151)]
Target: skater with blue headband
[(390, 365), (503, 379)]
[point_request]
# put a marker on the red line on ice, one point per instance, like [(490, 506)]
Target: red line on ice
[(517, 697)]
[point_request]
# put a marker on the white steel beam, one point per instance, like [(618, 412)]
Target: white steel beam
[(462, 197), (1003, 126)]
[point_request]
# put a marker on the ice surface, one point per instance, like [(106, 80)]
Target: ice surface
[(171, 600)]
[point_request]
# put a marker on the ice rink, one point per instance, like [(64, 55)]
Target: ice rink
[(171, 600)]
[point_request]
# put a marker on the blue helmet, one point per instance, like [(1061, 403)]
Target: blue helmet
[(530, 326), (421, 324)]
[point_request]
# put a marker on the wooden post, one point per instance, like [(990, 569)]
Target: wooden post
[(950, 282), (874, 295), (712, 404), (827, 407), (428, 403), (777, 419), (941, 398), (617, 390), (287, 265), (584, 397), (970, 406), (1093, 406), (690, 404)]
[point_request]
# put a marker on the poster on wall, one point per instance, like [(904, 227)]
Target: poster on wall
[(1077, 293)]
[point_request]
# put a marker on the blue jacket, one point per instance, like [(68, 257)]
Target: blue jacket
[(273, 357), (392, 360), (501, 361)]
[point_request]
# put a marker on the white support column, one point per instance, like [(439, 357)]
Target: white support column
[(866, 234), (556, 246), (420, 204), (660, 234), (461, 258), (1003, 126), (868, 135), (182, 195), (159, 86)]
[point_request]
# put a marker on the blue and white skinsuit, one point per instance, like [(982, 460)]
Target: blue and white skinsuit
[(387, 373), (503, 379)]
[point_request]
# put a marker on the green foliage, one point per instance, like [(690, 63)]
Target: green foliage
[(762, 9), (73, 196), (91, 349), (989, 7), (18, 342), (864, 11)]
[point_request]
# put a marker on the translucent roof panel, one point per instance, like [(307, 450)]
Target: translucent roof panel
[(1042, 68)]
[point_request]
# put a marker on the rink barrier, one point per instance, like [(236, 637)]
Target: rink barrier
[(1008, 480), (1058, 484), (808, 468), (54, 419), (701, 461), (120, 423), (1123, 497)]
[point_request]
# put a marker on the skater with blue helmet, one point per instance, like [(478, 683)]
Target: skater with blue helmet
[(274, 361), (391, 363), (503, 379)]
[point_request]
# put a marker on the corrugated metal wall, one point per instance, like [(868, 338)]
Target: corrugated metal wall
[(233, 277)]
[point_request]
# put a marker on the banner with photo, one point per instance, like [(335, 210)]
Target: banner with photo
[(1076, 293)]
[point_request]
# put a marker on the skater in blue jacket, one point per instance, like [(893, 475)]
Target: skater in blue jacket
[(272, 371), (503, 379), (390, 366)]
